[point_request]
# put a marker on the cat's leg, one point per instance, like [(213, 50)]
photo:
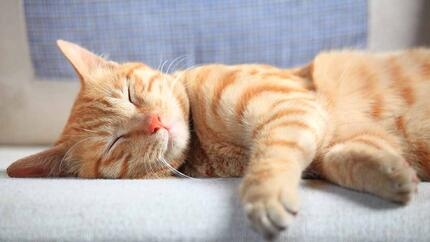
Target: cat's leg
[(283, 145), (370, 161)]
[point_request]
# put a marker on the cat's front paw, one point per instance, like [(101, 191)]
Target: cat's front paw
[(269, 206)]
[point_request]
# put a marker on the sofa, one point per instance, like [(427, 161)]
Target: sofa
[(37, 88)]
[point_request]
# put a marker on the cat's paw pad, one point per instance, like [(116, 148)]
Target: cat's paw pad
[(270, 210)]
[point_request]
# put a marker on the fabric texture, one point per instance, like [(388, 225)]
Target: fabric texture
[(282, 33), (190, 210)]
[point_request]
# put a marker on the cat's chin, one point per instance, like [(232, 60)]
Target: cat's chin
[(166, 143)]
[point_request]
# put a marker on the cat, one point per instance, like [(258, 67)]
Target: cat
[(356, 119)]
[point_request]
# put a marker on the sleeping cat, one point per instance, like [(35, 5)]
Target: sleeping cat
[(359, 120)]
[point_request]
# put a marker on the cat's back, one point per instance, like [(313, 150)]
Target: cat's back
[(388, 69), (378, 84), (379, 91)]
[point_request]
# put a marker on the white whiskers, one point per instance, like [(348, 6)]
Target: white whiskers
[(67, 154), (171, 168)]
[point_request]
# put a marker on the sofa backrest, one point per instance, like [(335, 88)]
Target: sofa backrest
[(37, 86)]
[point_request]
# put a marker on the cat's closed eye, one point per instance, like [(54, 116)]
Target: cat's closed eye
[(115, 141), (130, 96)]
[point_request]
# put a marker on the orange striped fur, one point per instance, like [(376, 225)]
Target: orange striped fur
[(357, 119)]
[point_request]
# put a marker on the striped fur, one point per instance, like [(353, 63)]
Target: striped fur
[(363, 124), (357, 119)]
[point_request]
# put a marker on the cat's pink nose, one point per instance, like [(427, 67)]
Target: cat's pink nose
[(154, 123)]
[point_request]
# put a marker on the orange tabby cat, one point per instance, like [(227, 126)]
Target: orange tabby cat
[(356, 119)]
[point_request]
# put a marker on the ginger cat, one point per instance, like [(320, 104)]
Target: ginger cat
[(356, 119)]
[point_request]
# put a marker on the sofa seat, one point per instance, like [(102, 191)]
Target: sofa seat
[(68, 209)]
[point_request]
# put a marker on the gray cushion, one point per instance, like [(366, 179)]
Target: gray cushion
[(190, 210)]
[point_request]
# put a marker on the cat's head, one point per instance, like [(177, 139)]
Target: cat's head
[(128, 121)]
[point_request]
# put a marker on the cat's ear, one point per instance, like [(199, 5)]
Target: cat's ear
[(306, 72), (82, 60), (43, 164)]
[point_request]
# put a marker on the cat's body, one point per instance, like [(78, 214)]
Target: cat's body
[(363, 123), (355, 93), (356, 119)]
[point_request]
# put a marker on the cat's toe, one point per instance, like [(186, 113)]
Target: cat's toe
[(404, 187), (278, 215), (260, 220), (270, 211), (269, 218), (400, 181)]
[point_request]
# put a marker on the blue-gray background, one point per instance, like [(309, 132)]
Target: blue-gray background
[(279, 32)]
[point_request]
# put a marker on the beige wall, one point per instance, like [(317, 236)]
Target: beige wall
[(396, 24), (33, 112)]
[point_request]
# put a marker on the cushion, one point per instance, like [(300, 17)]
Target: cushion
[(69, 209)]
